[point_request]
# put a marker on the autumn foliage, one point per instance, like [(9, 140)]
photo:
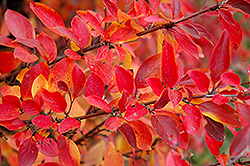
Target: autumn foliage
[(126, 82)]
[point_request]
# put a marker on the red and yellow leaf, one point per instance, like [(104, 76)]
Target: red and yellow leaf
[(111, 6), (112, 156), (72, 54), (124, 34), (222, 159), (129, 134)]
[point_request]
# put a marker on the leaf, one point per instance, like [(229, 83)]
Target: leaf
[(78, 80), (54, 100), (94, 86), (124, 34), (240, 142), (72, 54), (63, 86), (213, 144), (112, 156), (61, 72), (8, 112), (156, 85), (175, 97), (48, 147), (215, 130), (68, 124), (200, 79), (12, 100), (240, 4), (222, 159), (129, 134), (98, 102), (221, 113), (68, 33), (19, 25), (120, 51), (149, 68), (39, 83), (174, 159), (142, 134), (49, 45), (15, 124), (230, 78), (111, 6), (220, 59), (202, 31), (232, 27), (169, 67), (163, 99), (24, 55), (244, 113), (123, 100), (80, 29), (176, 8), (134, 113), (124, 80), (68, 151), (50, 164), (28, 152), (191, 29), (155, 5), (49, 17), (31, 107), (29, 77), (219, 99), (113, 123), (8, 42), (43, 121), (8, 62), (192, 120), (186, 43)]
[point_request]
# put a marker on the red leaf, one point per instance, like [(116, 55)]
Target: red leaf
[(232, 27), (240, 4), (163, 100), (98, 102), (221, 113), (68, 151), (15, 124), (81, 30), (30, 76), (49, 17), (19, 25), (175, 97), (176, 8), (213, 144), (44, 121), (28, 152), (134, 113), (54, 100), (155, 5), (50, 164), (192, 120), (186, 43), (215, 130), (156, 85), (8, 62), (111, 6), (244, 113), (200, 79), (220, 60), (68, 124), (5, 41), (129, 134), (222, 159), (68, 33), (8, 112), (124, 80), (120, 51), (122, 102), (174, 159), (12, 100), (49, 45), (240, 142), (78, 79), (124, 34), (31, 107), (94, 86), (24, 55), (149, 68), (202, 31), (243, 95), (113, 123), (102, 52), (219, 99), (48, 147), (191, 29), (230, 78), (72, 54), (189, 93), (142, 134), (63, 86), (169, 68)]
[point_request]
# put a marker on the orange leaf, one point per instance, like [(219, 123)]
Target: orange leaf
[(112, 157)]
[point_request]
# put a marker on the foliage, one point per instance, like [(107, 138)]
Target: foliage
[(138, 83)]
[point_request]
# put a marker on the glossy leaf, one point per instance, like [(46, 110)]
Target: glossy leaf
[(24, 55), (54, 100), (28, 152), (192, 120), (8, 112), (220, 60), (215, 130), (230, 78), (186, 43), (12, 100), (200, 79), (213, 144), (8, 62), (219, 99), (124, 80), (149, 68), (68, 151), (72, 54), (49, 17), (98, 102), (134, 113), (221, 113), (63, 86), (94, 86), (31, 107), (68, 124), (163, 99), (44, 121), (112, 156), (78, 80), (129, 134), (48, 147), (19, 25), (15, 124), (174, 159), (113, 123), (175, 97), (244, 113)]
